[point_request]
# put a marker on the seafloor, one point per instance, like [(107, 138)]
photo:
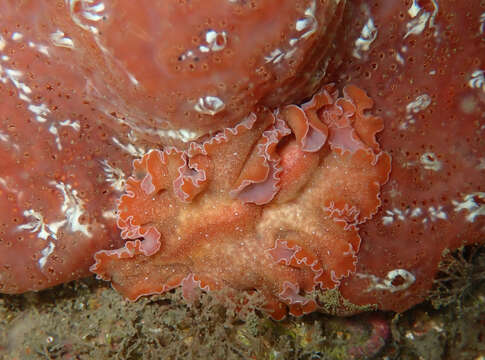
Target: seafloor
[(88, 320)]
